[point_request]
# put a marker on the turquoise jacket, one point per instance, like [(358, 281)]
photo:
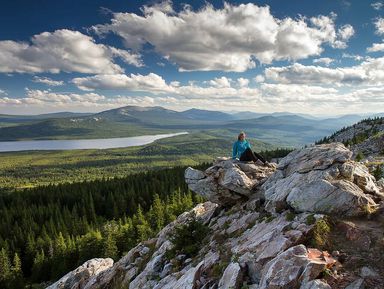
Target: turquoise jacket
[(239, 147)]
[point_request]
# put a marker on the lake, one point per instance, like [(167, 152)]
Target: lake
[(76, 144)]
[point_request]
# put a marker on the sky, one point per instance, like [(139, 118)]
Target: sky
[(318, 57)]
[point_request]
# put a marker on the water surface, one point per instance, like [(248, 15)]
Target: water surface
[(75, 144)]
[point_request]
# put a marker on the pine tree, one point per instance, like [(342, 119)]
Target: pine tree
[(157, 214), (143, 228), (38, 273), (17, 280), (109, 244), (5, 266)]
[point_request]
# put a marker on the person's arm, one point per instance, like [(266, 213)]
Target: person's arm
[(248, 144), (234, 150)]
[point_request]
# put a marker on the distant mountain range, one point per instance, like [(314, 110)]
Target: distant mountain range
[(278, 128)]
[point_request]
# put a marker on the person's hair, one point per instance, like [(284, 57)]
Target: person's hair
[(240, 134)]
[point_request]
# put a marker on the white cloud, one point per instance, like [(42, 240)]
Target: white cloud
[(324, 60), (376, 47), (220, 82), (344, 33), (62, 50), (259, 78), (47, 81), (283, 93), (369, 72), (136, 82), (377, 5), (227, 39), (3, 92), (41, 100), (353, 56), (379, 24), (242, 82), (217, 88)]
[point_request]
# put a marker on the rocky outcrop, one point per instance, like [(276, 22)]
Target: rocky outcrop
[(228, 181), (82, 275), (261, 220), (322, 179)]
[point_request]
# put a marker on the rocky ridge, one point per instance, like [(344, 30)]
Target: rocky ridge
[(268, 228)]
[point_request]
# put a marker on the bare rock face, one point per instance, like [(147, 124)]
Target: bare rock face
[(228, 181), (322, 179), (79, 277)]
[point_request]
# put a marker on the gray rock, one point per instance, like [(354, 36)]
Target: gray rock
[(318, 157), (79, 277), (231, 277), (367, 272), (315, 284), (357, 284), (152, 268), (321, 179), (290, 268), (166, 270), (228, 181), (285, 269), (186, 281)]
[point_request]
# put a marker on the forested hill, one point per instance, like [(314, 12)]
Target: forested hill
[(365, 137), (47, 231)]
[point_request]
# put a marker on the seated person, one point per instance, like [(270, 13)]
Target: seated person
[(242, 150)]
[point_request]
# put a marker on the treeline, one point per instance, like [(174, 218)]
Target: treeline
[(276, 153), (47, 231)]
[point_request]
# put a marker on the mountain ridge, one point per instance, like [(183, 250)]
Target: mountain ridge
[(135, 120)]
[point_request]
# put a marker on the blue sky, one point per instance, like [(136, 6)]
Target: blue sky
[(320, 57)]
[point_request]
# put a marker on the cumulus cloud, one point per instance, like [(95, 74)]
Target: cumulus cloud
[(324, 60), (379, 24), (376, 47), (48, 81), (369, 72), (227, 39), (242, 82), (62, 50), (221, 82), (3, 92), (137, 82), (352, 56), (259, 78), (220, 87), (377, 5)]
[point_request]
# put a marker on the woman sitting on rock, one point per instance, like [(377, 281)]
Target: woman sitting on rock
[(242, 151)]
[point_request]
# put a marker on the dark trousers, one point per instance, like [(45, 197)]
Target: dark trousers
[(248, 155)]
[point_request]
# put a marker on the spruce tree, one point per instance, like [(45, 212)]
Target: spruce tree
[(5, 266)]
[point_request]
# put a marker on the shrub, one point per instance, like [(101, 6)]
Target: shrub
[(378, 172), (290, 216), (320, 233), (187, 239), (359, 156), (310, 219)]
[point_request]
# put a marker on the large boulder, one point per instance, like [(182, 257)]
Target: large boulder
[(228, 181), (322, 179), (78, 278), (291, 268), (231, 276)]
